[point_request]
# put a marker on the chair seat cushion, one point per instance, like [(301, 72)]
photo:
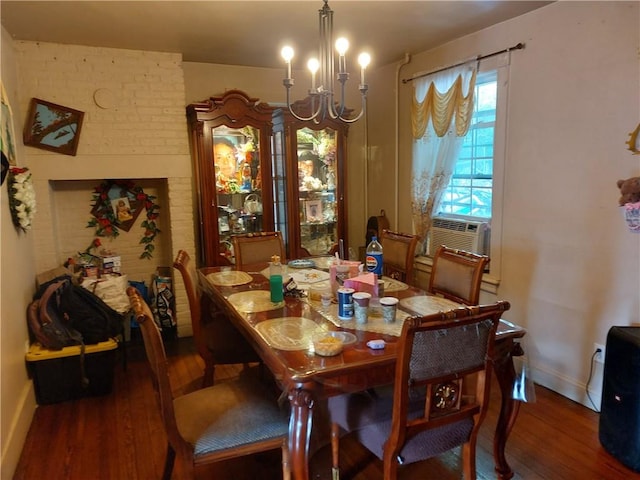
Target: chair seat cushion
[(368, 416), (229, 414)]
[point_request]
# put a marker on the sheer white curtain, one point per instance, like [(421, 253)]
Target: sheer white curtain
[(440, 115)]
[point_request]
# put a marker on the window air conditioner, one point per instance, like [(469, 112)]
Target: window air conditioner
[(468, 235)]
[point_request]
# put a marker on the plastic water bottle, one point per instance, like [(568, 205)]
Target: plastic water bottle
[(275, 280), (374, 257)]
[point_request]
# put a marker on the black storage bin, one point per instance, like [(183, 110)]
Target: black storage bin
[(57, 374)]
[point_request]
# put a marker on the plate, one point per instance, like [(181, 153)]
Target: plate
[(302, 263)]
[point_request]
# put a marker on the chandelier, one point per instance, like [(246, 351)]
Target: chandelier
[(322, 92)]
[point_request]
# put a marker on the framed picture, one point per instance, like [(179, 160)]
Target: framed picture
[(313, 210), (121, 206), (53, 127)]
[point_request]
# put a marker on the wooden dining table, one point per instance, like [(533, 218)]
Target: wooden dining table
[(282, 334)]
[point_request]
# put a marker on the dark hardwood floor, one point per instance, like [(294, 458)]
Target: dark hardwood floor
[(120, 436)]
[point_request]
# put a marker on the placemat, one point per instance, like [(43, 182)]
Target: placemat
[(428, 304), (288, 333), (229, 278), (253, 301), (393, 285)]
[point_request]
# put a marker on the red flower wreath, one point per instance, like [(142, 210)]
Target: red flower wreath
[(106, 223)]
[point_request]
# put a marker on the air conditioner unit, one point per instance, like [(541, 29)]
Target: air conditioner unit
[(468, 235)]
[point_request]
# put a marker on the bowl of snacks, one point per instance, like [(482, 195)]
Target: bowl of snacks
[(327, 344)]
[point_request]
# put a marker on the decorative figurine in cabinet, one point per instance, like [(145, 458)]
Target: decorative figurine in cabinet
[(231, 149), (316, 156)]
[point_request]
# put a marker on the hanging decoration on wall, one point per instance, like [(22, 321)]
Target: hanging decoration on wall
[(116, 206), (22, 197), (634, 141)]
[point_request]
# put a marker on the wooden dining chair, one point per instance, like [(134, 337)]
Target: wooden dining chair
[(228, 420), (399, 251), (457, 275), (426, 412), (217, 340), (258, 248)]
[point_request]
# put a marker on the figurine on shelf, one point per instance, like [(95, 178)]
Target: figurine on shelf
[(246, 177), (224, 153)]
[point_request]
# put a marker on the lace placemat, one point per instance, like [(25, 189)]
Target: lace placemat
[(393, 285), (428, 304), (288, 333), (229, 278), (253, 301)]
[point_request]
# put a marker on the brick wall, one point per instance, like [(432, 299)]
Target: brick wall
[(134, 128)]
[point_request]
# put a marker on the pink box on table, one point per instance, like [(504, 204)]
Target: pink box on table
[(366, 282)]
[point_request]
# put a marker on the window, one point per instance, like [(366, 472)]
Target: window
[(470, 191)]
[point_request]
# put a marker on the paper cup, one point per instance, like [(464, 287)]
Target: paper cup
[(389, 306), (361, 306)]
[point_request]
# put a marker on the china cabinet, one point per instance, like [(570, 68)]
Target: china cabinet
[(313, 158), (231, 148)]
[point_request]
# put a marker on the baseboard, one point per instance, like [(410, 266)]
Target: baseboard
[(569, 387), (18, 431)]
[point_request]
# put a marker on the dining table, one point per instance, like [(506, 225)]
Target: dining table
[(282, 334)]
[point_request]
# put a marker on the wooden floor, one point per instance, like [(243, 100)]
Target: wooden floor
[(120, 436)]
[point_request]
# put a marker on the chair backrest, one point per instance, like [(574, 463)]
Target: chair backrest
[(258, 248), (399, 250), (437, 354), (457, 275), (157, 358), (187, 269)]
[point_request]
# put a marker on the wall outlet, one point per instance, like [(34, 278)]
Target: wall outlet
[(599, 357)]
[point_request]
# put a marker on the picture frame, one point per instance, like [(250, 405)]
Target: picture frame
[(313, 210), (53, 127), (121, 205)]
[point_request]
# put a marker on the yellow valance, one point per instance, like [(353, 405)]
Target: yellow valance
[(440, 108)]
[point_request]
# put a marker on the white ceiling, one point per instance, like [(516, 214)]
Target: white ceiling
[(252, 32)]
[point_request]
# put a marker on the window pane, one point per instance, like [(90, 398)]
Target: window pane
[(470, 190)]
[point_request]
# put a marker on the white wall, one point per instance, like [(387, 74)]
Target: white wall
[(17, 282), (570, 267)]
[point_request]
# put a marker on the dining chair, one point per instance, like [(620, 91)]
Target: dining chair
[(426, 412), (258, 247), (399, 250), (217, 340), (228, 420), (457, 275)]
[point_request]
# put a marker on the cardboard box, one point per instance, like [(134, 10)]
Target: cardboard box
[(111, 264), (57, 374)]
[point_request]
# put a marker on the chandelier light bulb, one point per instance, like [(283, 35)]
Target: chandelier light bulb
[(364, 59), (313, 65), (287, 53), (342, 45)]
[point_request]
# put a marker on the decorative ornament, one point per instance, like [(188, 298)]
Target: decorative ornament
[(22, 197), (117, 204), (633, 141)]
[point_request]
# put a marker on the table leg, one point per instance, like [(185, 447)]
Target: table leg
[(302, 403), (505, 374)]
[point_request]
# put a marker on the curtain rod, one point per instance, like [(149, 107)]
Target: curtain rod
[(519, 46)]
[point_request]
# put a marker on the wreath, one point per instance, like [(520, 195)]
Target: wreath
[(22, 197), (116, 205)]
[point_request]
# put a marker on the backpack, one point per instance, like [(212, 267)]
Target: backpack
[(64, 314), (90, 315), (46, 322)]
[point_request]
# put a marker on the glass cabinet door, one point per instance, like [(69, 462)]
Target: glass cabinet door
[(317, 181), (230, 137), (238, 183)]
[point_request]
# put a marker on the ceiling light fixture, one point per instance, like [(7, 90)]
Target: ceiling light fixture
[(322, 91)]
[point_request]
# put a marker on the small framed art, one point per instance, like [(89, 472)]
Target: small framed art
[(53, 127)]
